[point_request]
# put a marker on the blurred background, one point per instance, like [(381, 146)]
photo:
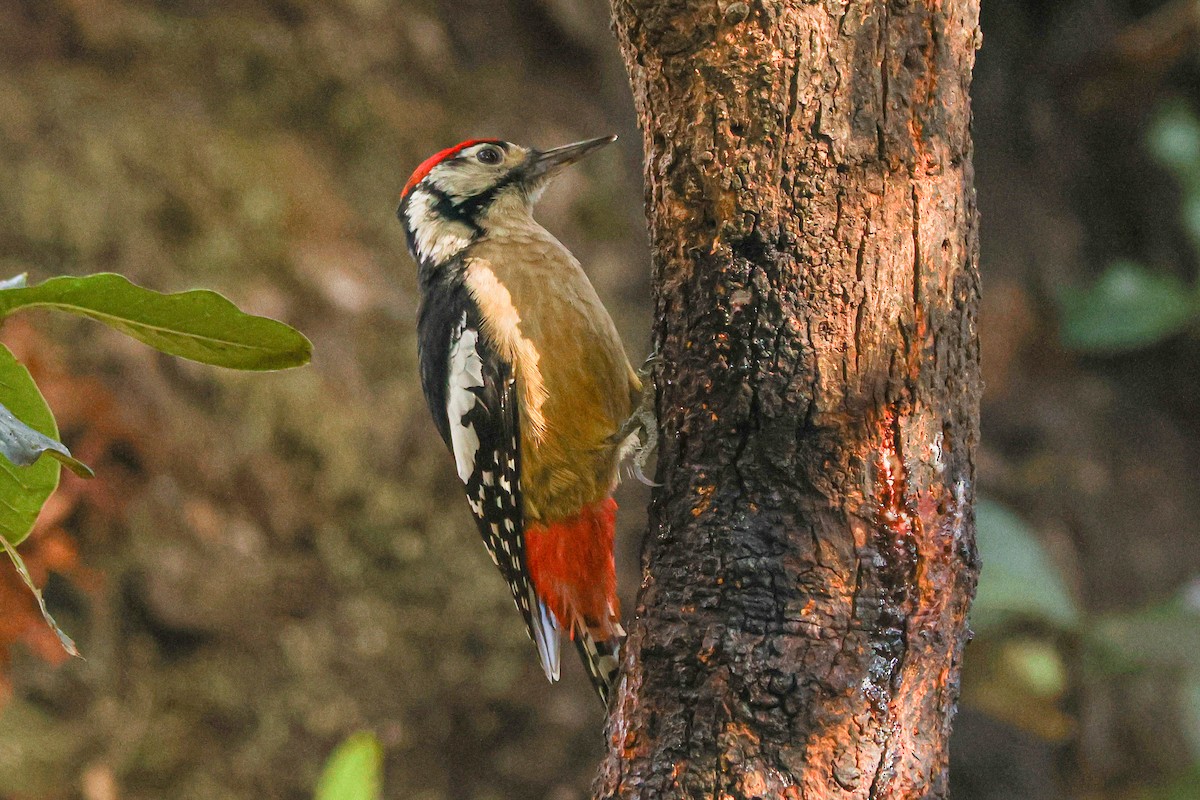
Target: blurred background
[(268, 563)]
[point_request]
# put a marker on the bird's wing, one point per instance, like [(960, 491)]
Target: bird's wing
[(479, 417)]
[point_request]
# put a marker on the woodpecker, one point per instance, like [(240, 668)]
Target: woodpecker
[(529, 387)]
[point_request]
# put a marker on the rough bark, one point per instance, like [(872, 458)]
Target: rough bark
[(810, 558)]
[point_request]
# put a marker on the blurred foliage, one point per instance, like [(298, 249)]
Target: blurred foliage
[(354, 771), (1165, 636), (1033, 641), (1182, 788), (1132, 307), (1020, 679), (1191, 699), (1127, 309), (1039, 649), (1018, 578), (1174, 140), (1086, 156)]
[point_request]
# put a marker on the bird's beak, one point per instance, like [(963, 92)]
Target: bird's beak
[(544, 164)]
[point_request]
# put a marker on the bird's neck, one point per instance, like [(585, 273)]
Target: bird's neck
[(509, 216), (441, 230)]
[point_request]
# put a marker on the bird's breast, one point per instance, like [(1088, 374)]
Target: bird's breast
[(541, 313)]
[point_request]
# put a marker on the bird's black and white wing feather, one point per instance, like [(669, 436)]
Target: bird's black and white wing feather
[(473, 396)]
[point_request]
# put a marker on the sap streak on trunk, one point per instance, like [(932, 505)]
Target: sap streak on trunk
[(811, 557)]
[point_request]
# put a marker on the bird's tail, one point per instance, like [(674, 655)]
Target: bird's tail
[(570, 562), (601, 658), (545, 634)]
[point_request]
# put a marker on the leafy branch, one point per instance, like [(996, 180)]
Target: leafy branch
[(198, 325), (1133, 307)]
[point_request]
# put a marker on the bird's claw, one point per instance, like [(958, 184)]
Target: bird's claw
[(645, 427), (646, 371), (643, 423)]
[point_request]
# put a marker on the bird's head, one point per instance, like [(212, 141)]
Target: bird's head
[(475, 188)]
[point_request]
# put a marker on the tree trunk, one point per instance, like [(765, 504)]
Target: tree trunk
[(811, 556)]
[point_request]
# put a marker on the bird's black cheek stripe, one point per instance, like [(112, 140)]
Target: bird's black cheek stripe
[(445, 207), (472, 208), (477, 205)]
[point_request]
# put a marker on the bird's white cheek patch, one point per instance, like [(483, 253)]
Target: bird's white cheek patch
[(435, 237), (464, 375)]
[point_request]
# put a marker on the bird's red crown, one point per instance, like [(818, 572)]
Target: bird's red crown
[(428, 164)]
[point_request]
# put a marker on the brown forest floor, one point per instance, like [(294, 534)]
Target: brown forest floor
[(267, 563)]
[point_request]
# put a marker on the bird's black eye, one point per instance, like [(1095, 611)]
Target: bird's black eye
[(488, 155)]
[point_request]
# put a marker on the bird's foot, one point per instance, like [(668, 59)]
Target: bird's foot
[(640, 431)]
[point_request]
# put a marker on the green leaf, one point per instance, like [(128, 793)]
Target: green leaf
[(1189, 215), (23, 490), (1191, 711), (1018, 578), (22, 445), (1166, 635), (354, 771), (1038, 666), (1174, 139), (1183, 788), (199, 325), (1129, 308), (25, 424), (67, 643)]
